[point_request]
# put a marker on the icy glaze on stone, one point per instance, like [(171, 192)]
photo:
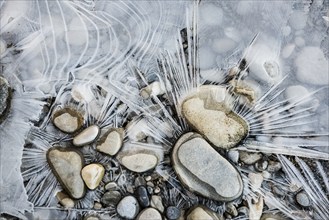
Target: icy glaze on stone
[(204, 171), (66, 165), (207, 112)]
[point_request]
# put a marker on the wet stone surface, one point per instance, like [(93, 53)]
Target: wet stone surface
[(66, 165), (210, 174), (5, 96), (67, 120)]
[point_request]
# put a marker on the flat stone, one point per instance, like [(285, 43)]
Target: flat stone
[(208, 114), (65, 200), (111, 186), (111, 142), (5, 96), (203, 170), (149, 214), (128, 207), (87, 136), (142, 196), (156, 202), (66, 164), (139, 162), (92, 175), (111, 198), (201, 212), (172, 212), (67, 120), (249, 158), (303, 200)]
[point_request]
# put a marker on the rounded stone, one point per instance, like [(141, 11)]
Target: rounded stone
[(5, 96), (66, 164), (207, 113), (111, 142), (87, 136), (261, 165), (92, 175), (274, 166), (65, 200), (142, 196), (203, 170), (249, 158), (172, 212), (302, 199), (111, 198), (128, 207), (201, 212), (139, 162), (156, 202), (149, 214), (111, 186), (67, 120)]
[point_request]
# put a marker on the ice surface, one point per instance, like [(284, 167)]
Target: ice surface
[(49, 47)]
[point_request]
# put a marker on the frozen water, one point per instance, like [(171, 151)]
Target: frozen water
[(98, 55)]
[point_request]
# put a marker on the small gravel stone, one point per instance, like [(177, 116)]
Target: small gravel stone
[(111, 198), (274, 166), (303, 200), (67, 120), (140, 181), (65, 200), (249, 158), (111, 186), (128, 207), (157, 190), (172, 212), (139, 162), (111, 142), (203, 170), (156, 202), (142, 196), (66, 164), (87, 136), (92, 175), (149, 214), (150, 190), (97, 205), (148, 178), (261, 165), (231, 209), (5, 96)]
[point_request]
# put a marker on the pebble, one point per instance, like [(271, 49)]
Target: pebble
[(66, 164), (274, 166), (261, 165), (231, 209), (210, 174), (249, 158), (111, 142), (82, 93), (128, 207), (111, 198), (312, 66), (270, 216), (140, 181), (111, 186), (157, 190), (201, 212), (65, 200), (142, 196), (153, 89), (172, 212), (91, 217), (149, 214), (303, 200), (97, 205), (156, 202), (5, 93), (67, 120), (87, 136), (206, 112), (93, 174), (150, 190), (139, 162)]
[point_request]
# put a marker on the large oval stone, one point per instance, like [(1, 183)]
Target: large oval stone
[(209, 113), (66, 165), (203, 170)]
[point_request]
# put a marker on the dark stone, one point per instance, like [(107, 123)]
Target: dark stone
[(111, 198), (140, 181), (5, 96), (142, 196), (172, 212), (261, 165), (303, 200)]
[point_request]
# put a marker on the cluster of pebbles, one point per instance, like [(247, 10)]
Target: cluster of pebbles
[(203, 160)]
